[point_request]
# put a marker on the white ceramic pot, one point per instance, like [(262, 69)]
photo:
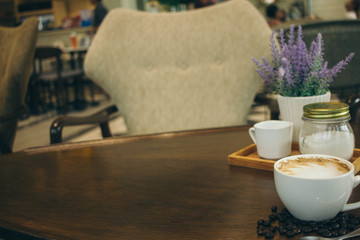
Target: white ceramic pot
[(291, 109)]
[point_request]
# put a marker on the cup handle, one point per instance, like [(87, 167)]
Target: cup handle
[(351, 206), (252, 134)]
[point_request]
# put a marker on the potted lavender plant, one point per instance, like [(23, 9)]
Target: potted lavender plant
[(298, 75)]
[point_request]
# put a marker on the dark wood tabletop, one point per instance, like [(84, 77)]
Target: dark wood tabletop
[(165, 186)]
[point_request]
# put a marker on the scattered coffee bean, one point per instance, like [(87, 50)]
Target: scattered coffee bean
[(290, 233), (354, 221), (261, 231), (290, 227), (342, 231), (272, 217), (322, 231), (269, 235), (327, 234), (288, 222), (283, 223), (307, 229), (260, 222), (335, 233), (335, 226), (273, 229), (298, 230), (282, 230), (274, 209), (281, 217), (267, 223)]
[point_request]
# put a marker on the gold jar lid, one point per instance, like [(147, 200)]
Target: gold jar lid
[(326, 110)]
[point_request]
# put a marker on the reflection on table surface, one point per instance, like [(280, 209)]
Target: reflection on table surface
[(162, 186)]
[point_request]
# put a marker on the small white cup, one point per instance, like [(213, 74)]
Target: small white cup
[(272, 138), (315, 197)]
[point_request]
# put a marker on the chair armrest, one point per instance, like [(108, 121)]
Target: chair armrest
[(101, 117)]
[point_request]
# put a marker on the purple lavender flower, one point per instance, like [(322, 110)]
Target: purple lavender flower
[(295, 70), (275, 52), (291, 36), (282, 39)]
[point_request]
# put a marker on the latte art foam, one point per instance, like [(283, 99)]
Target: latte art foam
[(314, 167)]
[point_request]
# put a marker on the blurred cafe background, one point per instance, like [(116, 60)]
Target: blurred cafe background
[(69, 25), (77, 14)]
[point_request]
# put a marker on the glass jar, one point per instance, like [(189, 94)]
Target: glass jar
[(326, 130)]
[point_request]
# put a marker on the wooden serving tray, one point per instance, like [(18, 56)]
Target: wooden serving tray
[(248, 157)]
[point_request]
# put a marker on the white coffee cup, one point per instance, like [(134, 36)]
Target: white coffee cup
[(313, 191), (272, 138)]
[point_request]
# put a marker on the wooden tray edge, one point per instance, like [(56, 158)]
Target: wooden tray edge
[(241, 158)]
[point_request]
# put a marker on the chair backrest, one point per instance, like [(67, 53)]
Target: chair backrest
[(49, 54), (341, 37), (180, 71), (17, 47)]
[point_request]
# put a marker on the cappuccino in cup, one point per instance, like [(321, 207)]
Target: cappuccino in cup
[(313, 167), (315, 187)]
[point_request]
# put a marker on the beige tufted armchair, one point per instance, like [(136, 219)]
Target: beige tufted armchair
[(17, 48), (180, 71)]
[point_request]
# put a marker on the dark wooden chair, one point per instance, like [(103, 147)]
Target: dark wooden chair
[(77, 61), (17, 47), (51, 86)]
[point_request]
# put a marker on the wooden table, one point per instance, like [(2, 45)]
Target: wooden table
[(166, 186)]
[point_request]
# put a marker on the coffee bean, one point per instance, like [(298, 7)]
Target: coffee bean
[(296, 221), (288, 221), (260, 222), (290, 226), (269, 235), (314, 228), (354, 221), (307, 229), (320, 225), (281, 217), (321, 231), (261, 231), (343, 223), (335, 226), (266, 223), (290, 233), (272, 217), (274, 209), (327, 234), (350, 228), (335, 233), (282, 230), (326, 222), (342, 231), (340, 215)]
